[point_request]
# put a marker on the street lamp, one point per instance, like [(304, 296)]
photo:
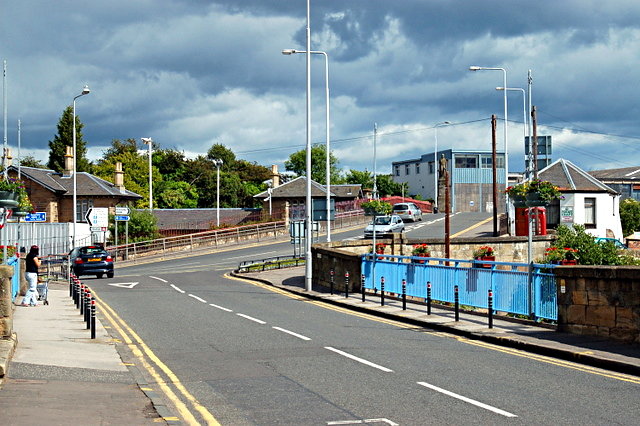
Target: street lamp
[(85, 91), (218, 163), (506, 161), (149, 142), (435, 162), (327, 124), (524, 117)]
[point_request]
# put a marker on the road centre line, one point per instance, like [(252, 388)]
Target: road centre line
[(299, 336), (355, 358), (251, 318), (156, 278), (220, 307), (199, 299), (469, 400), (177, 289)]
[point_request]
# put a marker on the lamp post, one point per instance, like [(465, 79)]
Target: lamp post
[(149, 141), (435, 162), (506, 160), (218, 163), (85, 91), (327, 124)]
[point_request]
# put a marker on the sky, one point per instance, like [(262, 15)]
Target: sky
[(193, 73)]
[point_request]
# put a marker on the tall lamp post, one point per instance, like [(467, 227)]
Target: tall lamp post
[(506, 160), (85, 91), (218, 163), (149, 141), (435, 162), (327, 124)]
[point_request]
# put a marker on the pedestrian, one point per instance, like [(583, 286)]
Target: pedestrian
[(32, 265)]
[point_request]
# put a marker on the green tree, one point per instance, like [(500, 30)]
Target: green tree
[(629, 216), (171, 164), (176, 195), (143, 226), (364, 178), (590, 252), (64, 138), (297, 163), (387, 187), (31, 161), (221, 152)]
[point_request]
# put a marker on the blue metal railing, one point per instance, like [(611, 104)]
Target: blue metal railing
[(517, 287)]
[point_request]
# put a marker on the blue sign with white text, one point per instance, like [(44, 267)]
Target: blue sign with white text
[(36, 217), (122, 218)]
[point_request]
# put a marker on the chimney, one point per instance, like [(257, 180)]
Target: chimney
[(8, 158), (275, 177), (68, 162), (118, 177)]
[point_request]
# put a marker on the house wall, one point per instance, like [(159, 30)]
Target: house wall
[(607, 213)]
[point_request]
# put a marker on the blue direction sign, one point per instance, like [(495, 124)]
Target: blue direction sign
[(122, 218), (36, 217)]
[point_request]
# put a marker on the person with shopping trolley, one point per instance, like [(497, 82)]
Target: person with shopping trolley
[(32, 263)]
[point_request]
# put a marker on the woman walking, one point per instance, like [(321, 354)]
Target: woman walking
[(32, 265)]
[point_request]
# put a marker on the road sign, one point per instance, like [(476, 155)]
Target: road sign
[(98, 229), (122, 218), (98, 216), (122, 210), (36, 217)]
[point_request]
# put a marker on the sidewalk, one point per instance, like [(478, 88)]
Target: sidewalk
[(58, 375), (524, 335)]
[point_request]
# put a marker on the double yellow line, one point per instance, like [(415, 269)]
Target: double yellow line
[(147, 358)]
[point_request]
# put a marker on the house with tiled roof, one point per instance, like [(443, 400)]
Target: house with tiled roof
[(52, 192), (625, 180), (586, 200)]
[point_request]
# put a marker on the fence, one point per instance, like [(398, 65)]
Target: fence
[(517, 287)]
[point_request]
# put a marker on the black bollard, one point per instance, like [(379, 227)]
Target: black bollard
[(93, 318), (457, 302), (79, 297), (404, 294), (71, 277), (362, 286), (346, 284), (490, 309), (87, 310), (332, 273), (428, 297), (382, 291)]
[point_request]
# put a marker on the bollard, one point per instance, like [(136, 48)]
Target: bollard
[(457, 302), (428, 297), (382, 291), (87, 310), (71, 277), (404, 294), (362, 286), (332, 273), (93, 318), (346, 284), (76, 292), (490, 308), (79, 297)]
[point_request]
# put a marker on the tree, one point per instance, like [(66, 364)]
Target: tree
[(221, 152), (386, 186), (297, 163), (64, 138), (629, 216), (171, 164), (357, 177), (143, 226), (31, 161), (176, 195)]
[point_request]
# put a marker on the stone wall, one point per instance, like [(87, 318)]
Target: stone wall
[(600, 301)]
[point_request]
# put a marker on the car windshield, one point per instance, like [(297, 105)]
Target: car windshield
[(91, 250), (383, 220), (400, 207)]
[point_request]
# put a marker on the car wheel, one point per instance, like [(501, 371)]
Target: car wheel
[(109, 274), (99, 275)]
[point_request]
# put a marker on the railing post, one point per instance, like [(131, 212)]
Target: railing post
[(404, 294), (381, 291), (490, 308), (346, 284), (428, 297), (362, 286), (331, 273), (456, 302)]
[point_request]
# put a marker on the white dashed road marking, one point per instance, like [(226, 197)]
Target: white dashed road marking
[(469, 400)]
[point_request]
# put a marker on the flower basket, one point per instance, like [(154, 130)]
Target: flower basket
[(376, 208), (569, 262), (519, 201), (533, 193), (8, 199), (561, 256), (534, 200), (380, 249), (420, 250)]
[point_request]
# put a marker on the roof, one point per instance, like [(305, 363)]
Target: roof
[(623, 174), (570, 178), (86, 183), (295, 189), (199, 218)]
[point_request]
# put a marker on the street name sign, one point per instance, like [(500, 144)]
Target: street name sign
[(98, 216), (36, 217), (122, 210), (122, 218)]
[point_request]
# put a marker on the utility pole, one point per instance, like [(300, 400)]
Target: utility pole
[(535, 142), (494, 171), (447, 219)]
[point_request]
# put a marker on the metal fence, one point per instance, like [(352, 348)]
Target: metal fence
[(518, 288)]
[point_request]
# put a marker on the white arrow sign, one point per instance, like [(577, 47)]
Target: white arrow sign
[(124, 285), (98, 216)]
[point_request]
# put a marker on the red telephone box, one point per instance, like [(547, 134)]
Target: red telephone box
[(538, 216)]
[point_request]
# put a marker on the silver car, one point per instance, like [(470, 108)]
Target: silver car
[(408, 211), (384, 225)]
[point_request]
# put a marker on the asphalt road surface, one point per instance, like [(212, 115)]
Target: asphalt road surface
[(224, 350)]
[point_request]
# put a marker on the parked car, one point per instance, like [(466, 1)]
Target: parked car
[(384, 225), (619, 245), (407, 211), (91, 260)]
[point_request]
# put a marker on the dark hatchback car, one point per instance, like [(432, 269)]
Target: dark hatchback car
[(91, 260)]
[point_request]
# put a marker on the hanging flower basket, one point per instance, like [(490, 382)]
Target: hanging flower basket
[(533, 193), (8, 199), (376, 208), (534, 200)]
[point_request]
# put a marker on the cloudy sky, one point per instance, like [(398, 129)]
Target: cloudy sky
[(191, 73)]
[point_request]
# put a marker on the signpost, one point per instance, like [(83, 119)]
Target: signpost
[(98, 216), (36, 217)]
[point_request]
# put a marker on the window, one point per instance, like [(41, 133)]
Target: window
[(589, 212), (82, 207), (417, 168), (486, 161), (397, 170), (406, 169), (430, 167), (466, 161)]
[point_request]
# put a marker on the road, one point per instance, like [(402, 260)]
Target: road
[(239, 353)]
